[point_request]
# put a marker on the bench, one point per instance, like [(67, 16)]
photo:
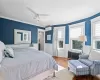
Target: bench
[(78, 68)]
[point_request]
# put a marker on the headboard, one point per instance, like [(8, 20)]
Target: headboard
[(18, 45)]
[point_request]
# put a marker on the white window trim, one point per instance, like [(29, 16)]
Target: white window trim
[(93, 22), (63, 39), (82, 24)]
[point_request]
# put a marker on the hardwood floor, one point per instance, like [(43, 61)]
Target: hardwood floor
[(61, 61), (64, 63)]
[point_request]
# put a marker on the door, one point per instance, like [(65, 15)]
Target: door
[(59, 41), (41, 41)]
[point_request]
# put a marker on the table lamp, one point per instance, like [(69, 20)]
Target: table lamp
[(82, 38)]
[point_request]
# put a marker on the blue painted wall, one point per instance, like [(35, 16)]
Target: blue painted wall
[(87, 29), (88, 32), (7, 30), (49, 33), (67, 34)]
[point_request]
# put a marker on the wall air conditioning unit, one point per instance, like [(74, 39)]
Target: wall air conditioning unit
[(48, 28)]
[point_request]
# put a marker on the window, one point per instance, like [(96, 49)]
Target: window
[(97, 44), (60, 44), (60, 39), (59, 34), (74, 33), (96, 35), (77, 44)]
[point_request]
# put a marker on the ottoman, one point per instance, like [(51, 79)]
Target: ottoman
[(78, 68)]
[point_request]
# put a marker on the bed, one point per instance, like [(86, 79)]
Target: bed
[(28, 64)]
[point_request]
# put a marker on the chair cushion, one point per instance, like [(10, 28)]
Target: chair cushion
[(94, 55), (86, 62), (78, 65)]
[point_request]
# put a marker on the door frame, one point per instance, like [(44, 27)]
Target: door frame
[(44, 37)]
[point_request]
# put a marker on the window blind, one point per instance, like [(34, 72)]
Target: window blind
[(75, 32), (59, 34), (97, 30)]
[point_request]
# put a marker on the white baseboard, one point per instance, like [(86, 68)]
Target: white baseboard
[(48, 48)]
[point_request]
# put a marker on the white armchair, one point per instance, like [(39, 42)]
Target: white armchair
[(93, 61)]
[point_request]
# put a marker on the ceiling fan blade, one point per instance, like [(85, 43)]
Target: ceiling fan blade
[(43, 14), (40, 22), (31, 10)]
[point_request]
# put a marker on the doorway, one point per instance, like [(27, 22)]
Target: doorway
[(59, 42), (41, 40)]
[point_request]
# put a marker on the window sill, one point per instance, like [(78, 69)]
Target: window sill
[(76, 50), (60, 48), (96, 50)]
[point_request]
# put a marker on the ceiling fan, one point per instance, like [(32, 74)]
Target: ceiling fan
[(37, 15)]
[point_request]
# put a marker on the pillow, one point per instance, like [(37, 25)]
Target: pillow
[(1, 56), (9, 52), (2, 46)]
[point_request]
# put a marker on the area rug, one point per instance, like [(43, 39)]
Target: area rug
[(61, 74)]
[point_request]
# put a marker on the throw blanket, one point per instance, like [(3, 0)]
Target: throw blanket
[(26, 64)]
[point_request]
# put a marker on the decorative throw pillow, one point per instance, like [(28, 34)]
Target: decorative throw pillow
[(2, 46), (9, 52), (1, 56)]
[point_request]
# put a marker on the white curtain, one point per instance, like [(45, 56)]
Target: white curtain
[(55, 42)]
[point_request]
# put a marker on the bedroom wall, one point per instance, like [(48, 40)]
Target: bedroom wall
[(87, 33), (7, 30)]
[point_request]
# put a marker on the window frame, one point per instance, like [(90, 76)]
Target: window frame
[(93, 37), (72, 45), (60, 39), (82, 26)]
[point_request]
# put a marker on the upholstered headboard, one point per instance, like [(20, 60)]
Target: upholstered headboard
[(18, 45)]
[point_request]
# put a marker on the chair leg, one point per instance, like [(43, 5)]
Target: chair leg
[(68, 68), (91, 77), (54, 74)]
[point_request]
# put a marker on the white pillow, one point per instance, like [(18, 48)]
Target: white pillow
[(2, 46), (1, 56), (10, 51)]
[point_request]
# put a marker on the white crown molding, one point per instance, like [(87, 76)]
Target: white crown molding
[(95, 19), (77, 24), (19, 21)]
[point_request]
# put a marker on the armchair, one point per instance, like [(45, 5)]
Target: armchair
[(83, 56), (93, 61)]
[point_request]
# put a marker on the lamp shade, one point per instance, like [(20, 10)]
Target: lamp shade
[(83, 38)]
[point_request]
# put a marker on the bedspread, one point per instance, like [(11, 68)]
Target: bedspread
[(26, 64)]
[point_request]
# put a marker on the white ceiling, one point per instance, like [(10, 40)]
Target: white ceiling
[(60, 11)]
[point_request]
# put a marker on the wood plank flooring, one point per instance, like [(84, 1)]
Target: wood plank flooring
[(61, 61), (64, 63)]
